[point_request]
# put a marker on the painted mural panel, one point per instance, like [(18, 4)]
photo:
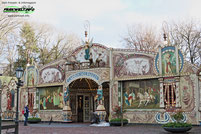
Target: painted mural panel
[(51, 75), (143, 94), (187, 94), (114, 93), (8, 98), (31, 100), (32, 76), (51, 98), (132, 65), (168, 63), (23, 99), (97, 53), (168, 58), (140, 117)]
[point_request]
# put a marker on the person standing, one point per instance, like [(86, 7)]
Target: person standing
[(26, 115)]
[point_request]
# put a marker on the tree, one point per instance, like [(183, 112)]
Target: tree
[(10, 52), (53, 45), (141, 37), (8, 27), (40, 44), (187, 35), (28, 45), (64, 45)]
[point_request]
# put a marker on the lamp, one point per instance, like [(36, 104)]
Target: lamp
[(19, 73)]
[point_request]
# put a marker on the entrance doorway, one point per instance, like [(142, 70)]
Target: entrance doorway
[(80, 108), (82, 99), (83, 108)]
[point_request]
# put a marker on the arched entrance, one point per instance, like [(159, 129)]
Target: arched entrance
[(86, 71), (83, 98)]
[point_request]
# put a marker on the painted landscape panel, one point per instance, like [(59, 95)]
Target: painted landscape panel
[(141, 94)]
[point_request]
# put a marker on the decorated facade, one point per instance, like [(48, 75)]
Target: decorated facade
[(8, 97), (149, 86)]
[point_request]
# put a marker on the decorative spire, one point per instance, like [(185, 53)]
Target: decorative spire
[(87, 42), (165, 28), (86, 39), (87, 30), (165, 37)]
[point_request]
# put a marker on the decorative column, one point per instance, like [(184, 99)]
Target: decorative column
[(35, 108), (160, 60), (199, 90), (26, 97), (100, 110), (36, 103), (111, 77), (177, 59), (67, 113), (161, 93), (0, 103), (178, 97)]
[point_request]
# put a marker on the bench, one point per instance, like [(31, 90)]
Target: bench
[(8, 127)]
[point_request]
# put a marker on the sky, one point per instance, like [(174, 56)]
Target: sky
[(109, 19)]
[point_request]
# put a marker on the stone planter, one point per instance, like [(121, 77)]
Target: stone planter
[(33, 121), (118, 123), (177, 130)]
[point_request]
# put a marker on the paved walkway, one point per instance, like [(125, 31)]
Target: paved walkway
[(84, 128)]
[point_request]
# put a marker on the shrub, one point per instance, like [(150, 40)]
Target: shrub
[(177, 125), (178, 116), (34, 119), (118, 112)]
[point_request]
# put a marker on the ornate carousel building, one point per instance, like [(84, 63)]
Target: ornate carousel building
[(149, 86)]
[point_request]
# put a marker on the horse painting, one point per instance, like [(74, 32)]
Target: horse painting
[(146, 98), (149, 96)]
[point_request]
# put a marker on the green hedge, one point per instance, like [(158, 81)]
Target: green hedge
[(177, 125)]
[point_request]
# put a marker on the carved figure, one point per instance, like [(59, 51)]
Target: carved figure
[(98, 60), (87, 51)]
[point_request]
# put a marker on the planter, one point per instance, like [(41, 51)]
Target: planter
[(117, 122), (34, 120), (177, 130)]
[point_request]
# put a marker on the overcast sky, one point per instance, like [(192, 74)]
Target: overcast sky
[(109, 19)]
